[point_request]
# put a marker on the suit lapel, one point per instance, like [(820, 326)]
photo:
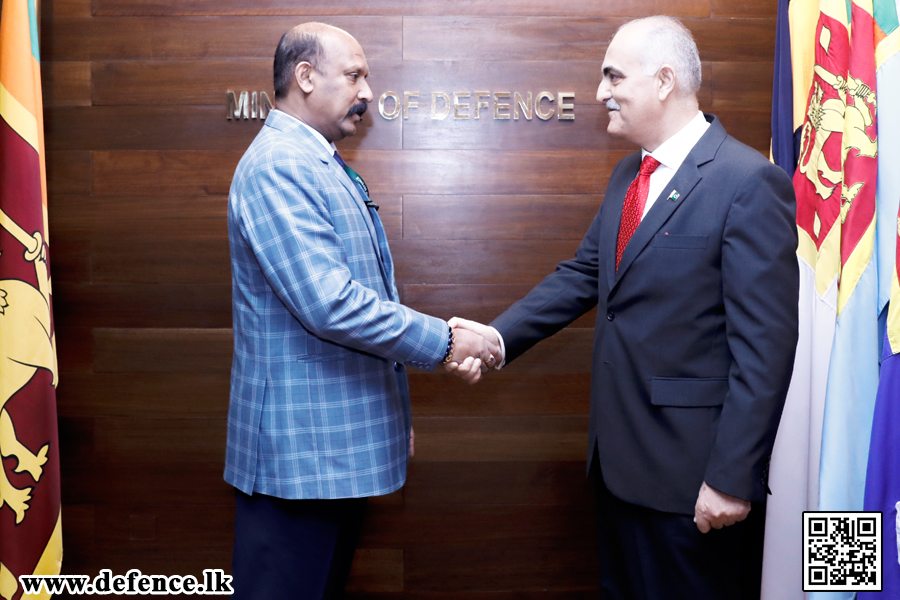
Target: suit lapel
[(280, 122), (369, 220), (615, 194), (685, 180), (360, 201)]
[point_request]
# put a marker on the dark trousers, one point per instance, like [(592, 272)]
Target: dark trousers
[(651, 555), (294, 549)]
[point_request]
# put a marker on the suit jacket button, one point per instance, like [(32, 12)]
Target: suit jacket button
[(610, 316), (397, 366)]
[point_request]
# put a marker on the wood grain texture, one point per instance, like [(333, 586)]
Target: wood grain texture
[(145, 394), (136, 440), (69, 172), (504, 393), (132, 350), (66, 84), (544, 217), (140, 160), (241, 38), (476, 302), (194, 172), (510, 172), (166, 173), (484, 526), (741, 85), (55, 9), (530, 38), (376, 570), (499, 483), (479, 261), (575, 8), (744, 9), (544, 438), (507, 568), (180, 128)]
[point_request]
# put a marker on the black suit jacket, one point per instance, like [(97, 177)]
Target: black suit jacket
[(696, 332)]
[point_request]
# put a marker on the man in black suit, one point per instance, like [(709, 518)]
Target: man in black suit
[(691, 263)]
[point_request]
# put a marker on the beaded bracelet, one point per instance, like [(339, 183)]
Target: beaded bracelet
[(450, 345)]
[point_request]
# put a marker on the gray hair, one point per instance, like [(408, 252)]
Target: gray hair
[(669, 42)]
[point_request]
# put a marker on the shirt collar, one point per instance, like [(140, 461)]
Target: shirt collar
[(321, 139), (674, 150)]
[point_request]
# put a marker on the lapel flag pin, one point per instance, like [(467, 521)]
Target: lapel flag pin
[(674, 196)]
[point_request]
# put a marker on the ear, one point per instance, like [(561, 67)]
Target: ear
[(303, 74), (665, 78)]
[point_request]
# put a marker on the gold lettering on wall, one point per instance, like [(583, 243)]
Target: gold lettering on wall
[(381, 106), (544, 116), (458, 106), (566, 106), (525, 105), (465, 105), (243, 105), (408, 102), (445, 98), (502, 106)]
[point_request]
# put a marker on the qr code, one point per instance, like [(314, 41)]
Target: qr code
[(841, 551)]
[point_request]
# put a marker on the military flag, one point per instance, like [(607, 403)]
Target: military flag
[(794, 468), (882, 492), (828, 413), (30, 516)]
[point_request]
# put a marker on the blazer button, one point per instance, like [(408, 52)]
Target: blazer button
[(610, 316), (397, 366)]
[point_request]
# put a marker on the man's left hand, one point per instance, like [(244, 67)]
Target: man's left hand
[(715, 509)]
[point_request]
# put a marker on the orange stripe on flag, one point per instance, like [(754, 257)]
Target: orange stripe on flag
[(16, 72)]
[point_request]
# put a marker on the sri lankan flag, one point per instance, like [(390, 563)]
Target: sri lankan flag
[(30, 516), (821, 452)]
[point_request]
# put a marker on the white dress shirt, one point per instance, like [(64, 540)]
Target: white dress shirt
[(670, 155)]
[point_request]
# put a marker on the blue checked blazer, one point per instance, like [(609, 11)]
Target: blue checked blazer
[(319, 402)]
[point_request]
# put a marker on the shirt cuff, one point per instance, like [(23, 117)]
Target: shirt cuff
[(502, 348)]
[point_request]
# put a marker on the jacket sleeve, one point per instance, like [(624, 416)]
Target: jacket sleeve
[(760, 287), (283, 212)]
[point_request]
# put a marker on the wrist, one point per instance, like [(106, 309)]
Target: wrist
[(451, 344)]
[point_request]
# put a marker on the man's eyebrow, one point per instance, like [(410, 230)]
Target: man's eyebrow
[(613, 71)]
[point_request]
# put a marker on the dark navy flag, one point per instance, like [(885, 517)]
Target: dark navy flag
[(784, 150)]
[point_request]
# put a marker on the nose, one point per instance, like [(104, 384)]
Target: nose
[(365, 92), (603, 91)]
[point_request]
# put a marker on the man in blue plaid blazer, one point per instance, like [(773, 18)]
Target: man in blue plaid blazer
[(319, 416)]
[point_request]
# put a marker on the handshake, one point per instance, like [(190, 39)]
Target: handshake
[(476, 349)]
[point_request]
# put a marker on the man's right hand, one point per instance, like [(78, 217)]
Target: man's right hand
[(472, 352)]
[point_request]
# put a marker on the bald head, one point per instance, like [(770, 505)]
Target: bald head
[(666, 41), (307, 42)]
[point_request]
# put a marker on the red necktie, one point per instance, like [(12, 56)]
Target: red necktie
[(633, 208)]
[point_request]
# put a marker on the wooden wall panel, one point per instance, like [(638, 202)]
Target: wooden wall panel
[(169, 128), (575, 8), (530, 38), (140, 160), (66, 83), (240, 38)]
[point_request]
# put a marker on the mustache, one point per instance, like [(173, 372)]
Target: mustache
[(611, 104), (358, 109)]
